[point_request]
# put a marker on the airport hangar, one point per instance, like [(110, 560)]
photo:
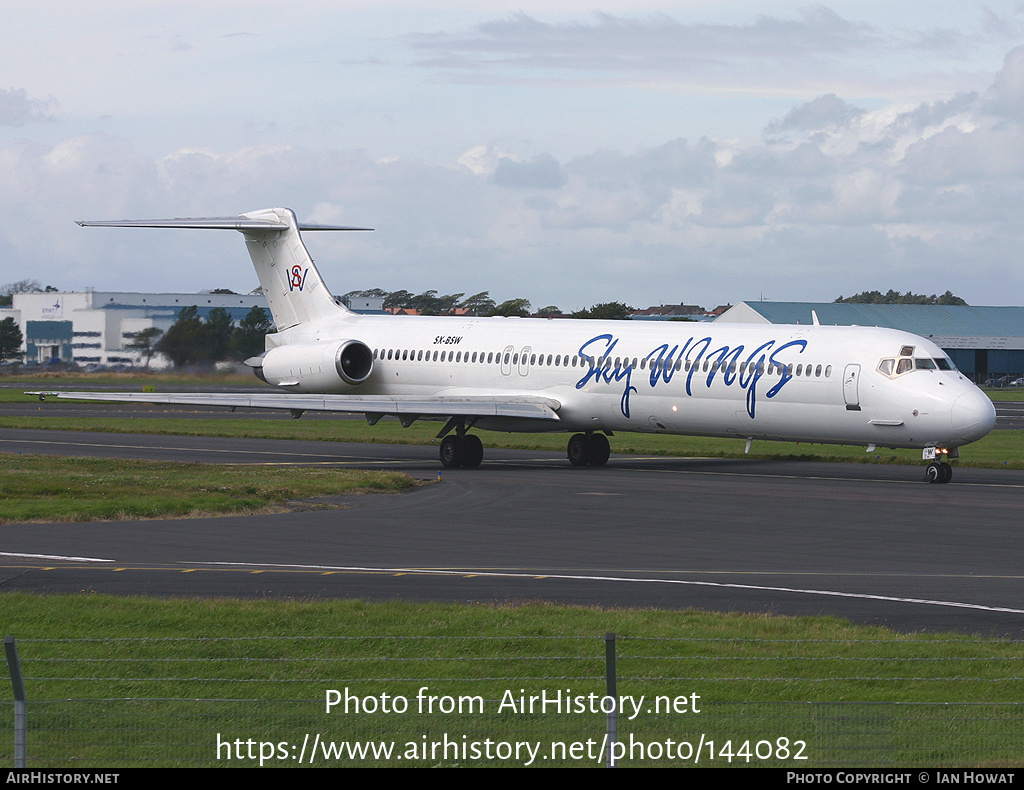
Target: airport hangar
[(983, 342)]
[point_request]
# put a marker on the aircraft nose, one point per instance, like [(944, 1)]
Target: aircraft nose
[(973, 415)]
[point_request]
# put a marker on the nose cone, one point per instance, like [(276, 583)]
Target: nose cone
[(973, 415)]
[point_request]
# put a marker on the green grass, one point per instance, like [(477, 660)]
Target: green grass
[(1000, 449), (44, 488), (857, 695), (1009, 394)]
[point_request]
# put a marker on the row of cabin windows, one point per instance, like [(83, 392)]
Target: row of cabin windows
[(566, 360)]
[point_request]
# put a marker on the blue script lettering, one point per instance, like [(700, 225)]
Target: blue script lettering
[(697, 358)]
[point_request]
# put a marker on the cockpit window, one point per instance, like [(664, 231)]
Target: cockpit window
[(897, 367)]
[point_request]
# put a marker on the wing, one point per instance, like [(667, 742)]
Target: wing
[(439, 407)]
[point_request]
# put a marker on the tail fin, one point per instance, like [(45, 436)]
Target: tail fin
[(290, 281)]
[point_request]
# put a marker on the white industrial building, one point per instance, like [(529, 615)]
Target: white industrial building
[(95, 327)]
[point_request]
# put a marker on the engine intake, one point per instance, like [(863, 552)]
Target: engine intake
[(354, 361), (317, 367)]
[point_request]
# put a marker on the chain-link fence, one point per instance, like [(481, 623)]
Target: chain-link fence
[(393, 701)]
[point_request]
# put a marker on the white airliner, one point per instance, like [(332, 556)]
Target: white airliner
[(823, 384)]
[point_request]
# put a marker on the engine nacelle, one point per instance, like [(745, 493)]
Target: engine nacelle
[(334, 366)]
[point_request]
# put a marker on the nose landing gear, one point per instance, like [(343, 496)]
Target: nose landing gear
[(938, 471)]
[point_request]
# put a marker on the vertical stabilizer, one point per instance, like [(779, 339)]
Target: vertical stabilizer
[(291, 283)]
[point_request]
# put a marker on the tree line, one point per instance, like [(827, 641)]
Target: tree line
[(481, 304), (192, 341), (895, 297)]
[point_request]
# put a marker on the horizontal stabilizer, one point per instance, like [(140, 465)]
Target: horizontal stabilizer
[(294, 289), (439, 407), (216, 223)]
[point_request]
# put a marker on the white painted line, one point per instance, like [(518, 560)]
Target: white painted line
[(727, 585), (52, 557)]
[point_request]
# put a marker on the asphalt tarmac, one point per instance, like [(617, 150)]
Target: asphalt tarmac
[(874, 544)]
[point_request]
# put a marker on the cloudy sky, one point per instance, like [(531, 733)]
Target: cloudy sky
[(701, 152)]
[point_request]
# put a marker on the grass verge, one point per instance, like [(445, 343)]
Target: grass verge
[(44, 488), (139, 681)]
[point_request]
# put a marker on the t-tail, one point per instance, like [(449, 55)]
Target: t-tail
[(290, 281)]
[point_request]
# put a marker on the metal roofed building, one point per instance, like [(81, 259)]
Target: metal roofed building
[(983, 342)]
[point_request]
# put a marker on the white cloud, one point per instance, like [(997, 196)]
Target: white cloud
[(837, 195), (17, 109)]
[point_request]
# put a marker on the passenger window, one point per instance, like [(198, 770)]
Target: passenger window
[(828, 371), (817, 371)]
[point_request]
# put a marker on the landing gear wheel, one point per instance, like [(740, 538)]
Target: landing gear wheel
[(472, 451), (452, 452), (947, 472), (578, 450), (599, 449), (938, 472)]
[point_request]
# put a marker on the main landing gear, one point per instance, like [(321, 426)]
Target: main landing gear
[(466, 451), (588, 449)]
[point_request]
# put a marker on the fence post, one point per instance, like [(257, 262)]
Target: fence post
[(612, 724), (20, 708)]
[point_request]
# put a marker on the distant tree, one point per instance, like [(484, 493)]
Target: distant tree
[(368, 293), (22, 287), (520, 307), (183, 343), (249, 337), (221, 291), (606, 311), (397, 299), (550, 310), (10, 339), (478, 304), (895, 297), (145, 341), (217, 332)]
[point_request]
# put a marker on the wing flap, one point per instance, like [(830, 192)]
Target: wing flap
[(439, 406)]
